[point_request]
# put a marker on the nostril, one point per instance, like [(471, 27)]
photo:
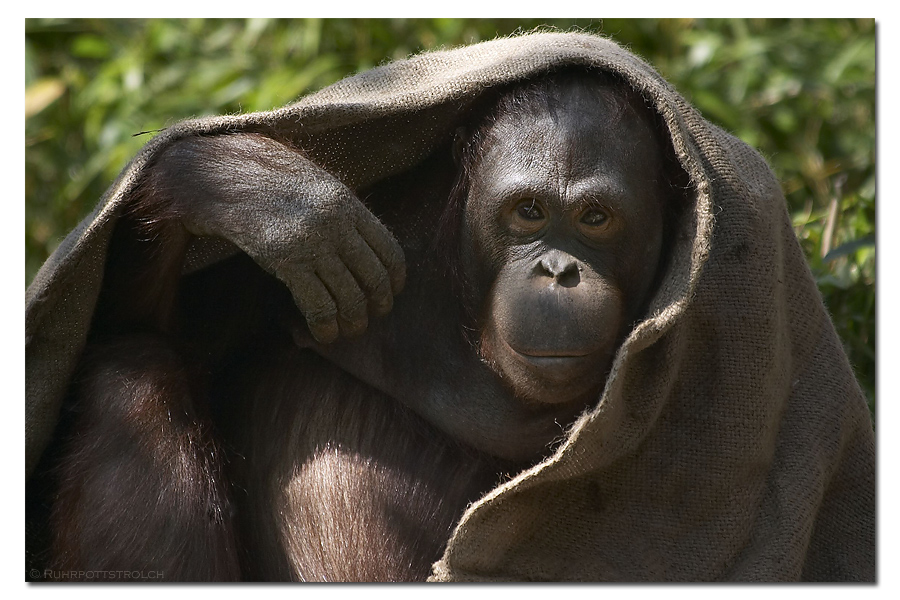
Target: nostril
[(570, 277), (559, 267), (542, 268)]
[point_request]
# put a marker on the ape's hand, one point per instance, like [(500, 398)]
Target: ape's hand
[(294, 219), (339, 261)]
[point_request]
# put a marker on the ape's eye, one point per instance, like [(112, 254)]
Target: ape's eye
[(595, 217), (530, 211), (527, 217)]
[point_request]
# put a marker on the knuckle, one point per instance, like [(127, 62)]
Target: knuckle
[(394, 258), (381, 293), (355, 309), (320, 315)]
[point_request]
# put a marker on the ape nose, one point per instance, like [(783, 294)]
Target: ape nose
[(559, 266)]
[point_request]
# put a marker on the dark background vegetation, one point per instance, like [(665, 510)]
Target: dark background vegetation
[(801, 91)]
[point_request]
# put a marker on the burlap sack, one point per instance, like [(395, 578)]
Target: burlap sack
[(732, 441)]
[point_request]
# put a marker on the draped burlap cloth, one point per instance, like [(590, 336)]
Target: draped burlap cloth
[(731, 442)]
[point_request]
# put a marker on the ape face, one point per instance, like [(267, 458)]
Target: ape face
[(565, 211)]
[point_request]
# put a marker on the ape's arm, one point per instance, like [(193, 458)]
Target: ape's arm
[(143, 483), (294, 219)]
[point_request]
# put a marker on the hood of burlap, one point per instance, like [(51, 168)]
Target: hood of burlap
[(731, 441)]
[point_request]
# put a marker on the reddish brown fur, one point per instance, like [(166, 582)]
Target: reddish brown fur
[(142, 488), (349, 485), (172, 470)]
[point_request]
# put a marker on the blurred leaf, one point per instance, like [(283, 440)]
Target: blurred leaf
[(860, 53), (41, 94), (90, 46)]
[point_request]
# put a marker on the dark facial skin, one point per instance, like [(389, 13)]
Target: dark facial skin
[(566, 209)]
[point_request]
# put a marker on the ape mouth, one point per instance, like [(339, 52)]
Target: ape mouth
[(552, 376), (553, 353), (548, 354), (561, 363)]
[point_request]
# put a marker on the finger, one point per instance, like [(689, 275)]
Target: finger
[(352, 307), (386, 248), (317, 305), (370, 274)]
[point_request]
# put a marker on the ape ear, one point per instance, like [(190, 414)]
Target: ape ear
[(460, 137)]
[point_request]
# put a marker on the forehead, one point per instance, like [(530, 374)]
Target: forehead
[(572, 131)]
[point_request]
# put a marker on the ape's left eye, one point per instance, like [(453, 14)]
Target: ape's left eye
[(530, 211), (595, 217), (527, 217)]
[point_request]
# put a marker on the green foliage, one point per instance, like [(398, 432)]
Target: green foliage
[(801, 91)]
